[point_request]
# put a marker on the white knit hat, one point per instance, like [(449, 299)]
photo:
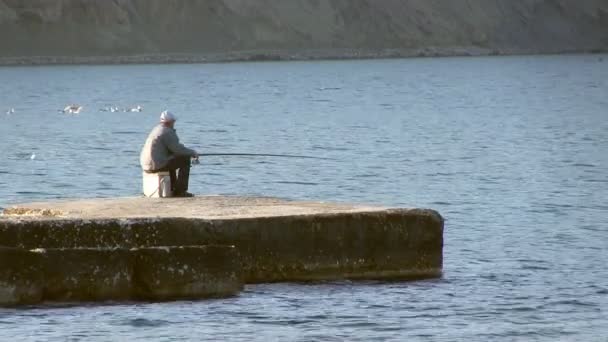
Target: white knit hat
[(167, 116)]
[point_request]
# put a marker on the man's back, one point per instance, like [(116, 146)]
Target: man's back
[(162, 143)]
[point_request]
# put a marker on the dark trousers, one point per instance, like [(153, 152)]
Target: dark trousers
[(179, 170)]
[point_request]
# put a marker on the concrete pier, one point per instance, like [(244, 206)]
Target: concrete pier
[(225, 241), (99, 274)]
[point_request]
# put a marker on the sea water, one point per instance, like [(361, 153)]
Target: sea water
[(512, 151)]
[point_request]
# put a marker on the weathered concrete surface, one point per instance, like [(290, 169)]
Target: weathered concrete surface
[(21, 278), (205, 207), (98, 274), (163, 273), (87, 274), (277, 240)]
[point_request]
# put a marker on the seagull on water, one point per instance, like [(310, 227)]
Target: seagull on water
[(138, 108), (10, 111), (72, 109), (109, 109), (33, 156)]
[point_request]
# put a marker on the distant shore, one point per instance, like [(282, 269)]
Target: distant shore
[(278, 55)]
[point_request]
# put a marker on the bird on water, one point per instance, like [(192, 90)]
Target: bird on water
[(72, 109)]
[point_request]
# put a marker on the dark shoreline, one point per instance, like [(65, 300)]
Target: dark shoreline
[(282, 55)]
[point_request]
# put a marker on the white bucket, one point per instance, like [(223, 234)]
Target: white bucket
[(157, 184)]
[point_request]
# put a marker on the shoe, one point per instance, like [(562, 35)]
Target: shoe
[(183, 194)]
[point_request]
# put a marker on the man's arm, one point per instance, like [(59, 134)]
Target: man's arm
[(172, 142)]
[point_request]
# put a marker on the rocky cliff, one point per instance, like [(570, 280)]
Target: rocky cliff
[(330, 28)]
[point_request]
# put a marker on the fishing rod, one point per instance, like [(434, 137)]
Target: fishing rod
[(262, 155), (196, 161)]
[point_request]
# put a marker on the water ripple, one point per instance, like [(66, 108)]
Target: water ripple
[(505, 148), (145, 323)]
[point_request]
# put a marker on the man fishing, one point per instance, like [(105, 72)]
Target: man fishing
[(163, 152)]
